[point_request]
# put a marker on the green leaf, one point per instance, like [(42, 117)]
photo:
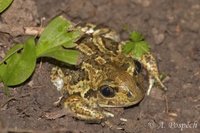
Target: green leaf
[(136, 47), (64, 55), (126, 27), (163, 76), (128, 47), (59, 32), (19, 66), (13, 50), (136, 36), (140, 49), (4, 4)]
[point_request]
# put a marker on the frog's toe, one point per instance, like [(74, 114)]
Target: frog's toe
[(152, 81), (57, 78)]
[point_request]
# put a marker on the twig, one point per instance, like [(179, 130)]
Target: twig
[(60, 113), (20, 30), (11, 130), (166, 102), (35, 31), (13, 98)]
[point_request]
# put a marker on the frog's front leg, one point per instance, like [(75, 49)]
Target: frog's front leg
[(149, 64), (83, 110)]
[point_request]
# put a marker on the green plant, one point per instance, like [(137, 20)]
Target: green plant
[(136, 46), (55, 41), (4, 4)]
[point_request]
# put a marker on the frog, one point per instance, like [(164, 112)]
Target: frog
[(107, 78)]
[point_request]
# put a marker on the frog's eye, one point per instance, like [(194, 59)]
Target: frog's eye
[(107, 91)]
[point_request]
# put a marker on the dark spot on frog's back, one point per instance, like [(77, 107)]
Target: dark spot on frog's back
[(90, 93), (84, 38), (111, 45)]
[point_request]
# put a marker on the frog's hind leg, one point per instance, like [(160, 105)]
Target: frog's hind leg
[(149, 64), (82, 110)]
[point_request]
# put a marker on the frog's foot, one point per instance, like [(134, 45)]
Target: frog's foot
[(149, 64), (112, 126), (82, 110), (57, 103)]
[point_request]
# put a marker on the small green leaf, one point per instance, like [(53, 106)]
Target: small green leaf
[(128, 47), (136, 46), (163, 76), (4, 4), (136, 36), (140, 49), (19, 66), (59, 32), (126, 27), (13, 50)]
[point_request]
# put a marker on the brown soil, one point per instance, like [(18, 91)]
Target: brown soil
[(172, 28)]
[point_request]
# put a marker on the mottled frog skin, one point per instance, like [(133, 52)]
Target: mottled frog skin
[(106, 77)]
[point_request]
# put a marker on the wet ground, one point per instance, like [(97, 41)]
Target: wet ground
[(172, 28)]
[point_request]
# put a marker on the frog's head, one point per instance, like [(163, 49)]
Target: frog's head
[(120, 90)]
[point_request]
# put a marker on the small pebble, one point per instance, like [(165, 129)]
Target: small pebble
[(187, 86), (159, 38), (144, 3)]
